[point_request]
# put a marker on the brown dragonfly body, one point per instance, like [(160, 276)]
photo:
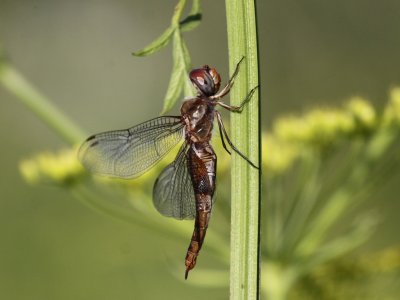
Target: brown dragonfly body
[(185, 188), (198, 115)]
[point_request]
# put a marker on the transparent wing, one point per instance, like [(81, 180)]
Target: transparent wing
[(129, 153), (173, 194)]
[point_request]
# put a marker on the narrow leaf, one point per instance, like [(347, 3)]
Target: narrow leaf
[(193, 19), (187, 61), (177, 76), (157, 44), (178, 13), (174, 89), (188, 89)]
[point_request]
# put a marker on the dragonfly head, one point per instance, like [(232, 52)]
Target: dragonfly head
[(206, 80)]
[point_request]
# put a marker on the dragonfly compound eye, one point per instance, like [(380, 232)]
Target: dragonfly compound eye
[(206, 80), (216, 78)]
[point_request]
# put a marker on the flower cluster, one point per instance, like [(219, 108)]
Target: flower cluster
[(323, 127), (391, 115), (60, 168)]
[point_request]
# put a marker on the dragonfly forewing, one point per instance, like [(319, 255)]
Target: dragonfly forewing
[(130, 152)]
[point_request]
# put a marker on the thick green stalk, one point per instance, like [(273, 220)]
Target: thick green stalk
[(245, 221), (23, 91)]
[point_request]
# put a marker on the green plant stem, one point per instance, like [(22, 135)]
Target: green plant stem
[(97, 197), (178, 13), (23, 91), (245, 221)]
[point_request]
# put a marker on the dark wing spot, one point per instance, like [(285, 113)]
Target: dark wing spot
[(94, 144), (91, 137)]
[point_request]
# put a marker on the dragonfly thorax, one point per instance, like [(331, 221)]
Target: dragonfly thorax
[(198, 115)]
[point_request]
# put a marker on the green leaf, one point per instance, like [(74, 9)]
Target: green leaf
[(193, 19), (157, 44), (188, 88), (178, 13), (185, 55), (174, 88), (176, 81), (181, 56)]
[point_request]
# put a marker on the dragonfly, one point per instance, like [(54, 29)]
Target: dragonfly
[(185, 188)]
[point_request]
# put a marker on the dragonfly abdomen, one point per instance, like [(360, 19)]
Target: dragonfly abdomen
[(202, 163)]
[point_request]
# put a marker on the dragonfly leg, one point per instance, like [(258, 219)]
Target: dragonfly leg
[(239, 108), (221, 125), (230, 83)]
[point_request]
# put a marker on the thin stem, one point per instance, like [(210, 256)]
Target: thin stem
[(96, 197), (23, 91), (178, 13), (245, 220)]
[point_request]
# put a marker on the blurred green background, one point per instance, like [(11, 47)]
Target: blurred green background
[(312, 53)]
